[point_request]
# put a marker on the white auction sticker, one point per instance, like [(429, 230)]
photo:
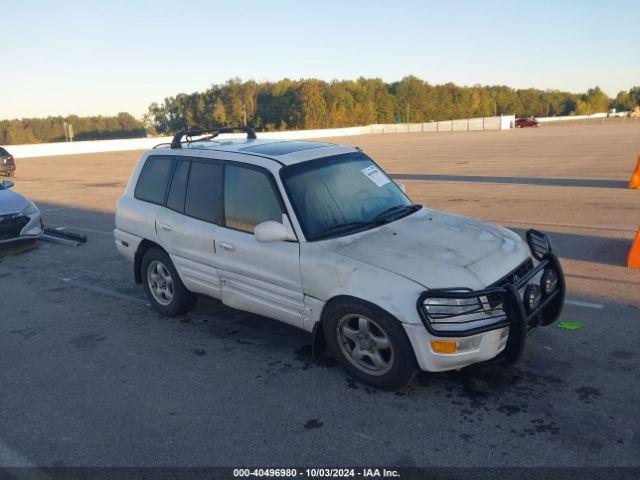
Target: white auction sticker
[(375, 175)]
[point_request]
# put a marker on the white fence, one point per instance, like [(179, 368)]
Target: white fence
[(571, 117), (95, 146)]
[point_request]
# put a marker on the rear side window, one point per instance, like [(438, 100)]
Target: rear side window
[(249, 199), (152, 183), (204, 192), (3, 152), (178, 188)]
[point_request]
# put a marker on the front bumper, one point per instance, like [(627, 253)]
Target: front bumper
[(502, 336), (17, 227)]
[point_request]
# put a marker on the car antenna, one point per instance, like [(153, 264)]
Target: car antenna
[(353, 144)]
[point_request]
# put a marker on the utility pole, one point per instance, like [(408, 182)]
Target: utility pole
[(244, 114), (406, 118)]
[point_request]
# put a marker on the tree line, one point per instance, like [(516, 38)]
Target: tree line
[(312, 103), (51, 129)]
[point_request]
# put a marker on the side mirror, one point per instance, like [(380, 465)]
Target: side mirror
[(271, 231), (7, 183), (402, 187)]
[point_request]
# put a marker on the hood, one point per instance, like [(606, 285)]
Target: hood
[(11, 202), (437, 249)]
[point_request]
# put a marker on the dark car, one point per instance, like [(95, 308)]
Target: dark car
[(527, 122), (7, 165)]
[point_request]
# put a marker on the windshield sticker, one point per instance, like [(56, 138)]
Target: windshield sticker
[(375, 175)]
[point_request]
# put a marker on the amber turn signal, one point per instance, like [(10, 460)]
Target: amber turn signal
[(440, 346)]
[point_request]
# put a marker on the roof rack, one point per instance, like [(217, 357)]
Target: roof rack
[(211, 132)]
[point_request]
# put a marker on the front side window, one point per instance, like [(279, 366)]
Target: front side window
[(343, 194), (249, 199), (152, 182), (203, 199)]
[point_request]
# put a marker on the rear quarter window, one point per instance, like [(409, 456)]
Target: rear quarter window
[(153, 179)]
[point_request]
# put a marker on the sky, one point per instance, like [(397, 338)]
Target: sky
[(102, 57)]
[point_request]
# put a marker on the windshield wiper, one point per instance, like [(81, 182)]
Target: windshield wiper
[(350, 227), (397, 210), (380, 219)]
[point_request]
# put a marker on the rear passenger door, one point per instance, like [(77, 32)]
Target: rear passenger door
[(263, 278), (150, 193), (188, 224)]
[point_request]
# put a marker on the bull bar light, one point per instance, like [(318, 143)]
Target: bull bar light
[(549, 281), (532, 297)]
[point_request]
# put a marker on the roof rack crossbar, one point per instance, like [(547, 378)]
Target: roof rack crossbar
[(211, 132)]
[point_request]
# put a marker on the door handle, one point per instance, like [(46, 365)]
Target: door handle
[(227, 246), (166, 227)]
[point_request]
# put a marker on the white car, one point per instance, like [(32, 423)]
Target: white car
[(20, 219), (318, 236)]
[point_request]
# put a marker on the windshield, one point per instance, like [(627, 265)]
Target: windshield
[(343, 194)]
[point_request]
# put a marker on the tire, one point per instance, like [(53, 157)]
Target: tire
[(356, 333), (166, 292)]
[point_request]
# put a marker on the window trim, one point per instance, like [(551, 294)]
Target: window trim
[(172, 159)]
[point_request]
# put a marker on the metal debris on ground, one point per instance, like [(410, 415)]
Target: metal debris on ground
[(60, 235)]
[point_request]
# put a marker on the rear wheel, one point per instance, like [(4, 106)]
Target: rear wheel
[(370, 344), (164, 289)]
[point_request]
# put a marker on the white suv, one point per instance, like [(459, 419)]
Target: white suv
[(318, 236)]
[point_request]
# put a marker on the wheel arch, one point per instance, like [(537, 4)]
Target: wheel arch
[(144, 246), (319, 341)]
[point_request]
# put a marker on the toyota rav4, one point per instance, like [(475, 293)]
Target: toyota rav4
[(318, 236)]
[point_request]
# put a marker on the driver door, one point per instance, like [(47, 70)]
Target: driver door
[(263, 278)]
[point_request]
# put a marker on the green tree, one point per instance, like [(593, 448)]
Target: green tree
[(623, 101)]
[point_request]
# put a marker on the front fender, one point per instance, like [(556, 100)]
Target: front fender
[(326, 275)]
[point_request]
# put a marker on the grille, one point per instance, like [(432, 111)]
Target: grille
[(510, 278), (11, 225), (515, 275)]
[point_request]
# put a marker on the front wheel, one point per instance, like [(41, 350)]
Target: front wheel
[(370, 344), (164, 289)]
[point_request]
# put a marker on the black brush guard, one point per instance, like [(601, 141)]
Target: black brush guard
[(502, 302)]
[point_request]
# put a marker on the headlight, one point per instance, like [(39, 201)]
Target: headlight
[(30, 210), (444, 308), (463, 313)]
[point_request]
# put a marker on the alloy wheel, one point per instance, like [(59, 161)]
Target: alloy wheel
[(160, 283), (365, 344)]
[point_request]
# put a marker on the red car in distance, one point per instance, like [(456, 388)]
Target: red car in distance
[(526, 122), (7, 165)]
